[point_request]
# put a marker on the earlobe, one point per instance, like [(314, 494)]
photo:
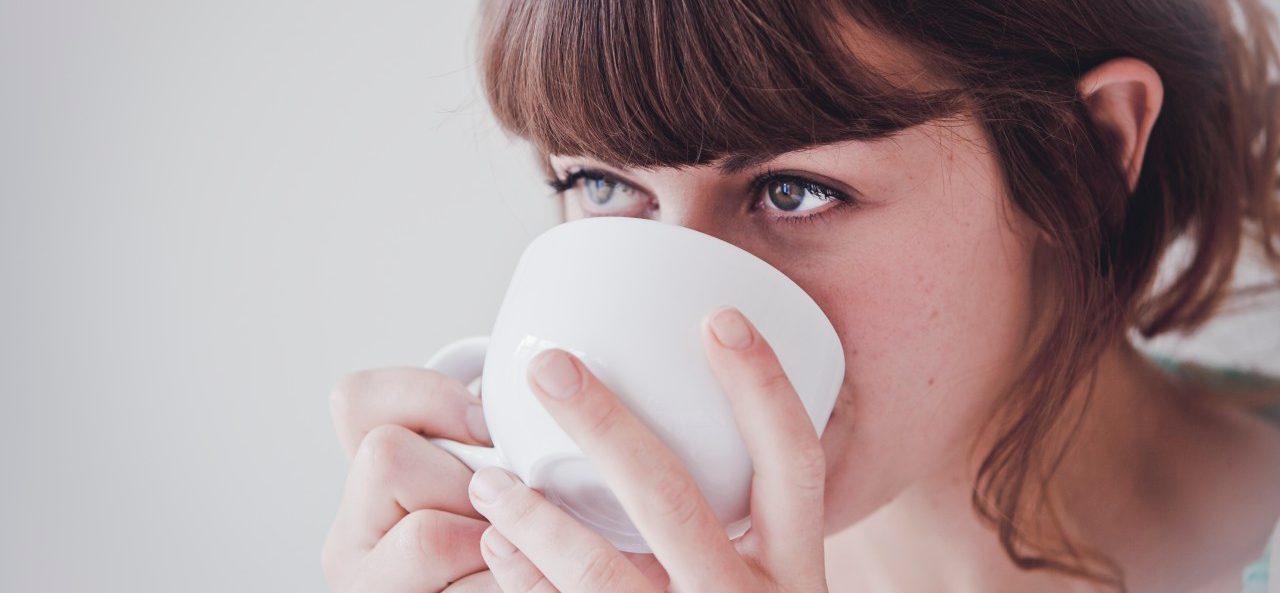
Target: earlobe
[(1124, 95)]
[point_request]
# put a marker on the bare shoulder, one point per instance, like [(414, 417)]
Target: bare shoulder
[(1240, 408), (1247, 422)]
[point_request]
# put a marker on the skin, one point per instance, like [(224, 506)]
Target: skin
[(928, 281)]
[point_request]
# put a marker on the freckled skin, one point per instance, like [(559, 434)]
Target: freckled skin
[(926, 282)]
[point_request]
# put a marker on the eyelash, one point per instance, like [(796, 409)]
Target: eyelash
[(563, 185), (559, 186)]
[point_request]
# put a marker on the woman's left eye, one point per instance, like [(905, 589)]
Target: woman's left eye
[(791, 195)]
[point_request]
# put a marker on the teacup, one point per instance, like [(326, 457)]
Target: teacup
[(627, 296)]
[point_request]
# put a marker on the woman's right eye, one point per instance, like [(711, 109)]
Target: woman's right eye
[(599, 194)]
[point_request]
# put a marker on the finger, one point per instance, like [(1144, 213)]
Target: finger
[(574, 558), (424, 552), (515, 572), (395, 472), (649, 566), (476, 582), (790, 470), (650, 482), (422, 400), (512, 570)]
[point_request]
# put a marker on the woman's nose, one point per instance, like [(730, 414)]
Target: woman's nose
[(701, 212)]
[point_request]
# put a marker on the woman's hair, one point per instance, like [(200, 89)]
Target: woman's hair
[(646, 83)]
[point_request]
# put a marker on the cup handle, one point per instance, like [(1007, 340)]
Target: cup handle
[(463, 360)]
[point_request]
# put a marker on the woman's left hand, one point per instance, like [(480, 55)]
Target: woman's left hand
[(533, 546)]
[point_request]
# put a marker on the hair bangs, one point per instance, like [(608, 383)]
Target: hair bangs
[(658, 83)]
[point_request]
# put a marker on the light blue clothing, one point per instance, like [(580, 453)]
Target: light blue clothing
[(1256, 575)]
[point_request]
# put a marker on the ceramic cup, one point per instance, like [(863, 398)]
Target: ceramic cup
[(627, 296)]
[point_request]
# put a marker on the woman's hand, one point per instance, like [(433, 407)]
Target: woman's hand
[(535, 547), (405, 523)]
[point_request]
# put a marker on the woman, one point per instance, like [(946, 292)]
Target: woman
[(977, 194)]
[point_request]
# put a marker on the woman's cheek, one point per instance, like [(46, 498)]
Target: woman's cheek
[(924, 353)]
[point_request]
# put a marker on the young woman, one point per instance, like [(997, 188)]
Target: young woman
[(977, 194)]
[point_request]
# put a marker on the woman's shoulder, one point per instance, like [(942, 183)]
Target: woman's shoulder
[(1243, 406), (1254, 390)]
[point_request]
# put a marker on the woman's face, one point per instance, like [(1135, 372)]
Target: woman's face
[(924, 272)]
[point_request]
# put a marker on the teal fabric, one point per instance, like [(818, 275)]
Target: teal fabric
[(1256, 575)]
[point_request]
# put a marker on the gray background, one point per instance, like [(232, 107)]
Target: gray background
[(208, 213)]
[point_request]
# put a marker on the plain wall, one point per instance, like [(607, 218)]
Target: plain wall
[(209, 212)]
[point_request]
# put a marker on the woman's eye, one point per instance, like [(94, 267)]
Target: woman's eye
[(601, 195), (792, 195), (601, 191)]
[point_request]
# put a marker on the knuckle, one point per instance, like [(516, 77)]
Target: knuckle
[(427, 536), (383, 449), (344, 395), (810, 466), (602, 418), (601, 571), (676, 501), (522, 510), (774, 379), (542, 585)]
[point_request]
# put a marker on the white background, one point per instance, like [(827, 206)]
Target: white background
[(209, 212)]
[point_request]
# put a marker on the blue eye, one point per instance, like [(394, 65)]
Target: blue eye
[(600, 191), (600, 194)]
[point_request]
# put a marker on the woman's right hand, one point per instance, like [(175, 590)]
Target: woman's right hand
[(405, 522)]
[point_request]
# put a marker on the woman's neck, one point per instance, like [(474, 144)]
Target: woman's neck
[(1135, 486)]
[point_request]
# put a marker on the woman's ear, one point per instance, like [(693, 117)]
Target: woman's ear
[(1124, 96)]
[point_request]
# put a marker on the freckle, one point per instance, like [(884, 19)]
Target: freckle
[(930, 380), (933, 315)]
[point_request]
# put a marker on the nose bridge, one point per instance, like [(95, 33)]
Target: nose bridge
[(703, 207), (718, 213)]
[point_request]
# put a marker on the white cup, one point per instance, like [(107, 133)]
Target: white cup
[(627, 296)]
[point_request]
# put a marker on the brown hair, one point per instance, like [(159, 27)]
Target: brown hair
[(669, 83)]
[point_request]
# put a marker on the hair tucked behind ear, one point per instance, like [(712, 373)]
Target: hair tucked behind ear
[(654, 82)]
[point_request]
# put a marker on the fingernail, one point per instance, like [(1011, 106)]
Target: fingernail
[(556, 374), (489, 483), (500, 546), (731, 329), (475, 423)]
